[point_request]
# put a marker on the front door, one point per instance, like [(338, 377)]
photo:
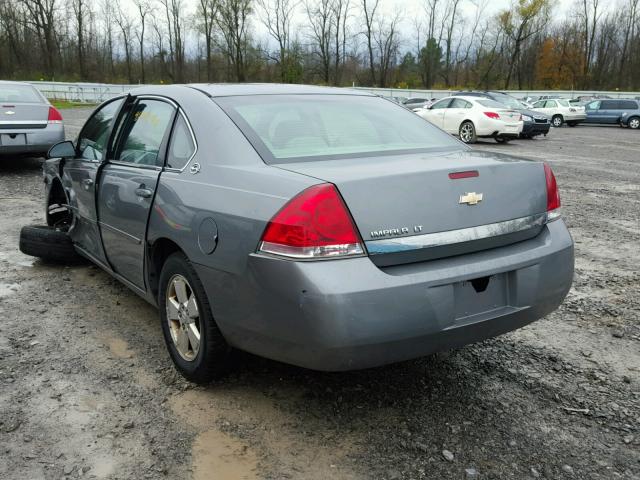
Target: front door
[(435, 113), (594, 113), (80, 177), (128, 183)]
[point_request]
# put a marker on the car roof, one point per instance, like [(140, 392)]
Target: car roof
[(232, 89), (12, 82)]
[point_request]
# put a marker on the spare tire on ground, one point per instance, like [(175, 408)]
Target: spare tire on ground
[(49, 244)]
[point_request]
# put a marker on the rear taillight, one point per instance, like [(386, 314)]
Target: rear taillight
[(54, 116), (553, 196), (313, 225), (493, 115)]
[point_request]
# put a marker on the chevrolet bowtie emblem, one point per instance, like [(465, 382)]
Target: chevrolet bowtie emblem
[(9, 112), (471, 198)]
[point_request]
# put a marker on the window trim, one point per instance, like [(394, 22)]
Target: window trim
[(109, 139), (114, 142), (179, 113)]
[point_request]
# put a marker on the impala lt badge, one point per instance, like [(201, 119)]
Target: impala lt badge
[(471, 198)]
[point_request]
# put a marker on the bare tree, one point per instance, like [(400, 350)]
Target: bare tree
[(233, 21), (41, 16), (207, 13), (340, 14), (144, 7), (276, 15), (319, 16)]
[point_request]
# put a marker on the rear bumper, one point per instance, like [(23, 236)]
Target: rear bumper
[(37, 141), (533, 129), (349, 314)]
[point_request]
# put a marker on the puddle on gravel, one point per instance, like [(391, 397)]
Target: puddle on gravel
[(118, 347), (278, 446), (218, 455), (7, 289)]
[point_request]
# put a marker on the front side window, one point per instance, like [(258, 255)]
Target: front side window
[(318, 127), (539, 104), (593, 105), (93, 139), (181, 146), (144, 132)]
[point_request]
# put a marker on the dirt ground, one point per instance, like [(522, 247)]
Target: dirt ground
[(87, 388)]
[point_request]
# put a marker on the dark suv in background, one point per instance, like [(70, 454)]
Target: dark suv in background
[(535, 123), (624, 112)]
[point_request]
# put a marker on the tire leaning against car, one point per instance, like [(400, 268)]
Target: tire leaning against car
[(467, 132), (212, 358), (48, 243)]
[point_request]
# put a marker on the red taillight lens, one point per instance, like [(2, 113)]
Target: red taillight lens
[(314, 224), (54, 116), (553, 196), (493, 115)]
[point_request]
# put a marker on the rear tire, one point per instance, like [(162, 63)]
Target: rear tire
[(503, 140), (557, 121), (204, 356), (48, 243), (467, 132), (572, 124), (634, 123)]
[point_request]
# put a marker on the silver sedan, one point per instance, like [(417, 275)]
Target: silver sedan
[(29, 124)]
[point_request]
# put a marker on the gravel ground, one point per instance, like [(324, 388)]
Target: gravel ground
[(87, 388)]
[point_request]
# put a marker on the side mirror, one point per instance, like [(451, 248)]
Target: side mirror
[(62, 150)]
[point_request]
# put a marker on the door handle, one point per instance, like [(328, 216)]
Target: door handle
[(144, 192)]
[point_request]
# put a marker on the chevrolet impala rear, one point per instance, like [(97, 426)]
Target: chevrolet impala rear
[(28, 122), (405, 241)]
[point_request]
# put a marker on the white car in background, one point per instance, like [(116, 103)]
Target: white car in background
[(474, 117), (561, 111)]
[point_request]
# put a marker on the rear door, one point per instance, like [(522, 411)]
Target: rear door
[(80, 177), (128, 183), (454, 114)]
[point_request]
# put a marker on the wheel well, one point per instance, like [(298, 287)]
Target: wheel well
[(158, 254), (56, 213)]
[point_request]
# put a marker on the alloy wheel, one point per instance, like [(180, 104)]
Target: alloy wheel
[(466, 133), (183, 317), (634, 123), (557, 121)]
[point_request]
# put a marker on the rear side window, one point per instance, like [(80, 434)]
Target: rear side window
[(19, 94), (551, 104), (318, 127), (181, 146), (609, 104), (564, 103), (441, 104), (627, 105), (459, 103)]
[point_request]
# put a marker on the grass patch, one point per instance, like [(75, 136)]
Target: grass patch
[(62, 104)]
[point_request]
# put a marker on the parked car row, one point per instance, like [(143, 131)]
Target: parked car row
[(491, 114)]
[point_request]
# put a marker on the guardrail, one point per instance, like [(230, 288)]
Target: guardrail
[(99, 92), (81, 92)]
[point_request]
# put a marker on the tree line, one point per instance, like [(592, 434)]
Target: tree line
[(446, 44)]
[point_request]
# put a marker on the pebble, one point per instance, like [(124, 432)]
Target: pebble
[(618, 334), (535, 473), (448, 456), (567, 469), (471, 474)]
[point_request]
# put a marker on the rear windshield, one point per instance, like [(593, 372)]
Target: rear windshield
[(490, 104), (19, 94), (508, 101), (288, 128)]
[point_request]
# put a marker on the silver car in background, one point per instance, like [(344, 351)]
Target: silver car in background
[(29, 124)]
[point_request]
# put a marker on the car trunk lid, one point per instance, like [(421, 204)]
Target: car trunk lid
[(23, 115), (418, 207)]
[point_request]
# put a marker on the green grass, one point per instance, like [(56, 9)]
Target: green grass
[(62, 104)]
